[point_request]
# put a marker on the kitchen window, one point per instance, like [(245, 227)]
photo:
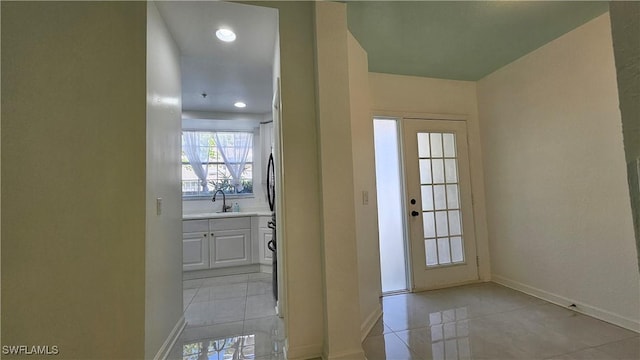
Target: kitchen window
[(217, 160)]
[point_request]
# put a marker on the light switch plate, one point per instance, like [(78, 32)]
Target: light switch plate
[(159, 206)]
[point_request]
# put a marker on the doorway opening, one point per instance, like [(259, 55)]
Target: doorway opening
[(229, 63), (391, 218)]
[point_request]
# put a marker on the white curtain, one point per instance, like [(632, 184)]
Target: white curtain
[(196, 148), (234, 148)]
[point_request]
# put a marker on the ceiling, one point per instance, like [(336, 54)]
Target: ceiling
[(460, 40), (226, 72)]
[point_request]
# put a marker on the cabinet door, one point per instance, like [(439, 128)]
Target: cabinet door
[(264, 236), (195, 251), (230, 248)]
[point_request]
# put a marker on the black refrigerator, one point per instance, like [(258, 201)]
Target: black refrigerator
[(271, 195)]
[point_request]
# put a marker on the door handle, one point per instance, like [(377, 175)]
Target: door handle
[(415, 213), (271, 245)]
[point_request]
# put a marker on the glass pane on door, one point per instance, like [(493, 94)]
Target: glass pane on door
[(442, 216)]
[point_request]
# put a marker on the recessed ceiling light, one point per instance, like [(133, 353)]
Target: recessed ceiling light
[(226, 35), (240, 104)]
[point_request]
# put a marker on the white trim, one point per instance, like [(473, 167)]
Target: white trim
[(302, 352), (224, 271), (392, 114), (559, 300), (406, 232), (367, 324), (347, 355), (447, 285), (164, 350)]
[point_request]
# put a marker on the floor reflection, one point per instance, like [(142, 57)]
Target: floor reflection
[(260, 345), (450, 334), (489, 321), (230, 317), (233, 348)]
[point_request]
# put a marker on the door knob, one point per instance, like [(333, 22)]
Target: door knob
[(415, 213)]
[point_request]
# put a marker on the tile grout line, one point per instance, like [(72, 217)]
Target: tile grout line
[(246, 296), (594, 347), (467, 319), (587, 347), (246, 300)]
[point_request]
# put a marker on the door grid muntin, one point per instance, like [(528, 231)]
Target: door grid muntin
[(440, 193)]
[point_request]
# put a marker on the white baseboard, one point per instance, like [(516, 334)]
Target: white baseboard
[(302, 352), (583, 308), (164, 350), (232, 270), (349, 355), (367, 325), (446, 286)]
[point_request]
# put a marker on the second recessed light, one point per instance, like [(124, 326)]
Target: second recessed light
[(240, 104), (225, 35)]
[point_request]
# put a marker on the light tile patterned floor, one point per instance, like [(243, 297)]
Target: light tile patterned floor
[(489, 321), (235, 315), (230, 317)]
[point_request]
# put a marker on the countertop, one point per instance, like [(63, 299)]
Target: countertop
[(217, 215)]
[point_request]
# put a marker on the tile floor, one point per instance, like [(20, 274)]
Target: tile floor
[(230, 317), (233, 317), (489, 321)]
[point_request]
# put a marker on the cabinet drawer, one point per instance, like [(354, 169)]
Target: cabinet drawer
[(230, 223), (195, 226)]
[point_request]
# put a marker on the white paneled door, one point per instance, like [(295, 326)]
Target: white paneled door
[(439, 205)]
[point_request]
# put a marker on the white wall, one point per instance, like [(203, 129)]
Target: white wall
[(396, 94), (163, 285), (558, 204), (364, 179)]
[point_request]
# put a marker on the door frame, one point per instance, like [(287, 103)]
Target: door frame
[(400, 116)]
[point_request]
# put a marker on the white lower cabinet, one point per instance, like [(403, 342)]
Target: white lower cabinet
[(230, 248), (265, 234), (265, 255), (195, 245), (195, 251), (216, 243)]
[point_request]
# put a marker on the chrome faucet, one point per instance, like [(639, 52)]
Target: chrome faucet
[(225, 208)]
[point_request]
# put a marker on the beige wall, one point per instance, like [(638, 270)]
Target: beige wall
[(301, 210), (364, 179), (300, 219), (625, 28), (342, 310), (163, 309), (395, 94), (73, 168), (559, 216)]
